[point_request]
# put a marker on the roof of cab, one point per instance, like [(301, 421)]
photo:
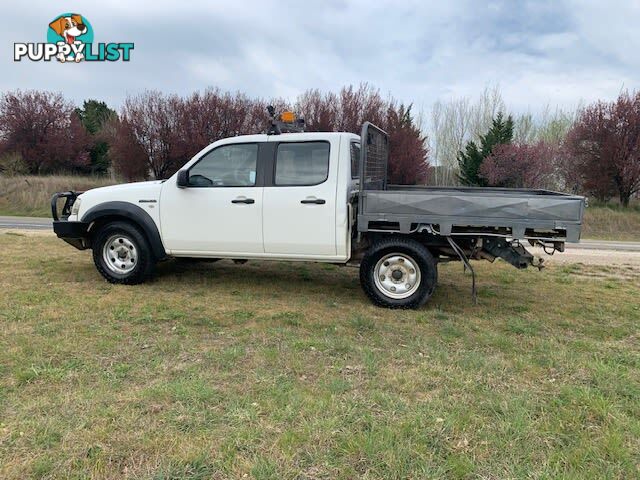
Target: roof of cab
[(302, 136), (286, 137)]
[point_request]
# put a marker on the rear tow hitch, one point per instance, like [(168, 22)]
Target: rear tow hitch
[(511, 252)]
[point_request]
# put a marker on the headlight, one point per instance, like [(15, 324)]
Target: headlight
[(76, 206)]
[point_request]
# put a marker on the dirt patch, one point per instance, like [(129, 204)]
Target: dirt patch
[(26, 232), (596, 264), (590, 257)]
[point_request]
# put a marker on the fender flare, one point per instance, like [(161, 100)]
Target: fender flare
[(134, 213)]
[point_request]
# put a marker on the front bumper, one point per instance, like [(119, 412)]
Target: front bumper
[(74, 233)]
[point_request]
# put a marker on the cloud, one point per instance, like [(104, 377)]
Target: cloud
[(540, 52)]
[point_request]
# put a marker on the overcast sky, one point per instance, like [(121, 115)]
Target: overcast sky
[(539, 52)]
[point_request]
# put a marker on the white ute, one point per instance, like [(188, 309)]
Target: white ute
[(318, 197)]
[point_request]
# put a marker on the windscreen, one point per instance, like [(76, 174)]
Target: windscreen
[(374, 156)]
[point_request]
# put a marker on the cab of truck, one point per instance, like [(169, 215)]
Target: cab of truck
[(283, 196)]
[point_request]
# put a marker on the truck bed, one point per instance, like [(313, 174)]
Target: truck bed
[(515, 213)]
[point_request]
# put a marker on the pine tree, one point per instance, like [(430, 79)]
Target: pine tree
[(470, 160), (93, 116)]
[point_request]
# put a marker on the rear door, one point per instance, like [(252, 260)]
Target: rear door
[(299, 199)]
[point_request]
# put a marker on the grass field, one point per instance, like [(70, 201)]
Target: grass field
[(30, 196), (283, 371), (612, 222)]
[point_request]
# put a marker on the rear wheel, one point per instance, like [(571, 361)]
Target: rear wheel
[(122, 254), (398, 273)]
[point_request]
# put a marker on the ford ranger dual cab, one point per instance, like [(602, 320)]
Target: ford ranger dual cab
[(320, 197)]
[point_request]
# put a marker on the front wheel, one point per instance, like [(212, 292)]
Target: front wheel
[(398, 273), (122, 254)]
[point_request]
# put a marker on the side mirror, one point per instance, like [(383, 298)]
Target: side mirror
[(183, 178)]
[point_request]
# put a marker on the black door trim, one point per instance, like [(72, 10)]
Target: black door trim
[(267, 162)]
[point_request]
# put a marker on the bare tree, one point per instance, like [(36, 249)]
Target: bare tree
[(549, 126), (449, 132), (456, 122)]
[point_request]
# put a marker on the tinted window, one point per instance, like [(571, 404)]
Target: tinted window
[(302, 163), (228, 166), (355, 160)]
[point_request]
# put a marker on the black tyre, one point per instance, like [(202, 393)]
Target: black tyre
[(398, 272), (122, 254)]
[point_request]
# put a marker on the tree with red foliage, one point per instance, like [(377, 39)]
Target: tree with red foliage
[(76, 156), (408, 152), (345, 111), (319, 111), (351, 107), (170, 129), (44, 129), (520, 165), (128, 157), (212, 115), (153, 120), (605, 144)]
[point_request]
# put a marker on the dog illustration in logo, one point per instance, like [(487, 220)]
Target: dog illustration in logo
[(69, 28)]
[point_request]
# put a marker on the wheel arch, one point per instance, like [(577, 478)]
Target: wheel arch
[(430, 242), (112, 211)]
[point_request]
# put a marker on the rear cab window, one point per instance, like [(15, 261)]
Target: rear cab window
[(302, 163), (355, 160)]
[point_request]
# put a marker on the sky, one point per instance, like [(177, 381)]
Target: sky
[(541, 53)]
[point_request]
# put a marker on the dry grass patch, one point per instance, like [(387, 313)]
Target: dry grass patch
[(612, 223), (30, 195)]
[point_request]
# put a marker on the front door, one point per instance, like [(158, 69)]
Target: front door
[(220, 212)]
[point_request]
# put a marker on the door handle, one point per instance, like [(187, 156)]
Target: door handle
[(317, 201), (243, 200)]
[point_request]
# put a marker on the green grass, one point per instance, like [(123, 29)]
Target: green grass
[(226, 371)]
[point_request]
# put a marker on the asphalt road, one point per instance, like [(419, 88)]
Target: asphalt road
[(36, 223), (25, 223)]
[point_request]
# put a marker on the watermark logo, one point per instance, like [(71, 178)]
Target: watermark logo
[(70, 39)]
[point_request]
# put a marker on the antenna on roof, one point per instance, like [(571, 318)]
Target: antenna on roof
[(286, 122)]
